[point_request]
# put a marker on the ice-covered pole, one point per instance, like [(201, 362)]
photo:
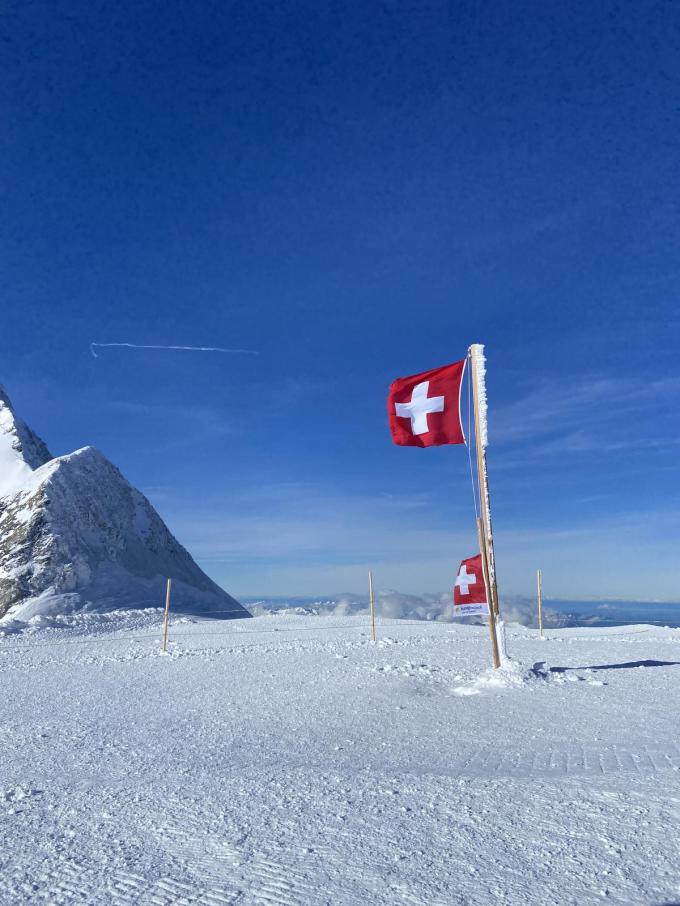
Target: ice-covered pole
[(478, 371)]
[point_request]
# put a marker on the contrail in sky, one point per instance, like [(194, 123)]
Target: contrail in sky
[(182, 348)]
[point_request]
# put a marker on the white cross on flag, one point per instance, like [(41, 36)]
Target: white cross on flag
[(469, 594), (424, 409)]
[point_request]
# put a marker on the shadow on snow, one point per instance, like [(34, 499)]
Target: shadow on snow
[(628, 665)]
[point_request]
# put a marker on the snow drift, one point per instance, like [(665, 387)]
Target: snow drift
[(74, 534)]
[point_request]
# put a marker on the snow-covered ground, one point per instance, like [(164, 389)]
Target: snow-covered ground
[(288, 760)]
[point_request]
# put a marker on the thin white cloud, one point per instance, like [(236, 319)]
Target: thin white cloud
[(590, 415), (206, 419), (304, 538)]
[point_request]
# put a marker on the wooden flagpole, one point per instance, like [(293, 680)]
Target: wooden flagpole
[(372, 601), (539, 584), (495, 654), (486, 536), (166, 615), (477, 363)]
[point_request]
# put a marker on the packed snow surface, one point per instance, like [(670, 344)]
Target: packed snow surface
[(289, 760)]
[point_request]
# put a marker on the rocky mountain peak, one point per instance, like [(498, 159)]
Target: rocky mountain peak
[(75, 534)]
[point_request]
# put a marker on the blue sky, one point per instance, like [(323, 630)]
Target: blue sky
[(356, 191)]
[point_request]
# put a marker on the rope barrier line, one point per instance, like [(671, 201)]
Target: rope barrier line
[(209, 613), (152, 634), (110, 616), (581, 624)]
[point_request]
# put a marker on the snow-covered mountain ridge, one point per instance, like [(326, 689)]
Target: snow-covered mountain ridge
[(21, 450), (75, 534)]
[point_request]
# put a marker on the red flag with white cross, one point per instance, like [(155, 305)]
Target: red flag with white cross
[(424, 409), (469, 594)]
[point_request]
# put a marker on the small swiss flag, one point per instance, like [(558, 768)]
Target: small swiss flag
[(424, 409), (469, 594)]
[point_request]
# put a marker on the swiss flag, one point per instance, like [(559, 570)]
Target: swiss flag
[(469, 594), (424, 409)]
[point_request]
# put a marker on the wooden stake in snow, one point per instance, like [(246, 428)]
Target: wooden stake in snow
[(540, 603), (477, 363), (166, 615), (372, 602)]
